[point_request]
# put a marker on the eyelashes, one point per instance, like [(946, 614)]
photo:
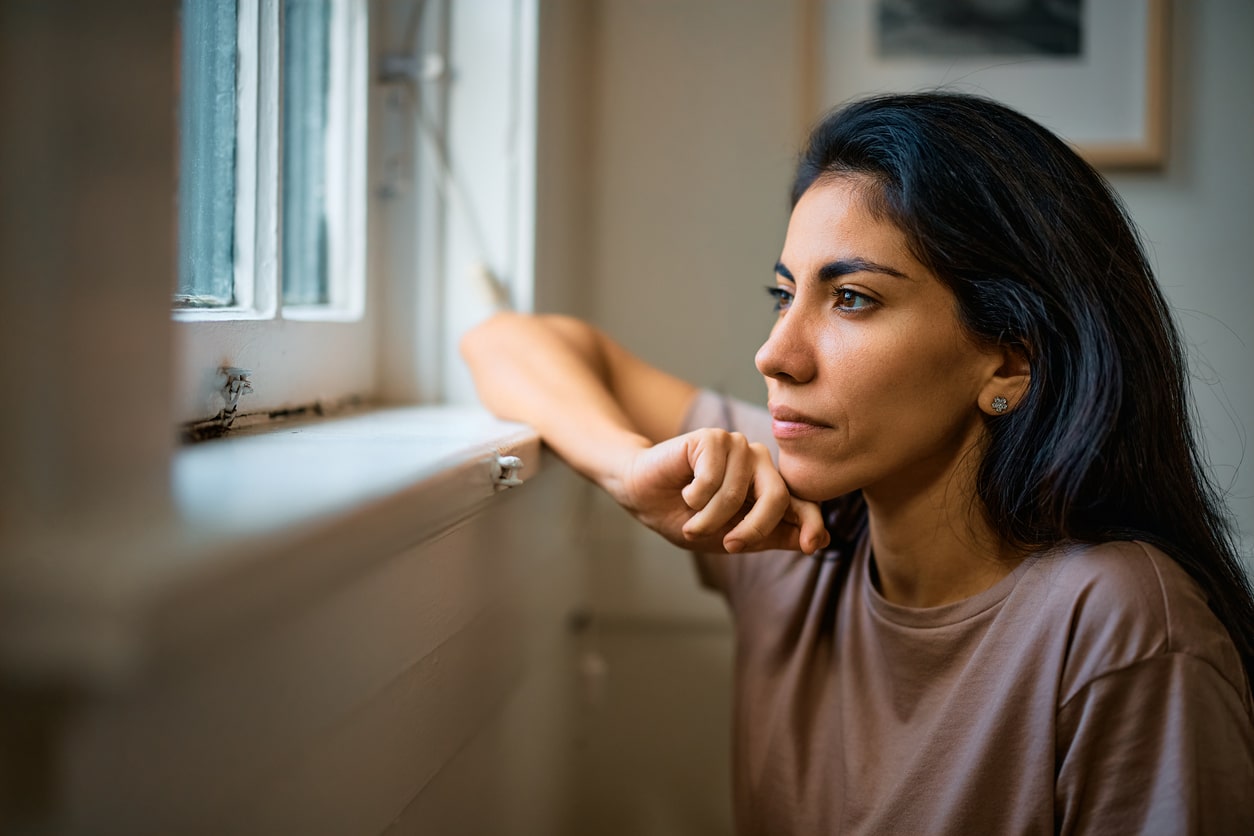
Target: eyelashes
[(782, 297), (845, 299), (851, 300)]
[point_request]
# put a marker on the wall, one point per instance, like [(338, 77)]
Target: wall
[(428, 693), (86, 237)]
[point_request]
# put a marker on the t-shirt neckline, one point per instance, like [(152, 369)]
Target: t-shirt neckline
[(945, 614)]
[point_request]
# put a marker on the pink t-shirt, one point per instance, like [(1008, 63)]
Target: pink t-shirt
[(1089, 691)]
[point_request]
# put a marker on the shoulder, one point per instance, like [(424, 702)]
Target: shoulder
[(1125, 603)]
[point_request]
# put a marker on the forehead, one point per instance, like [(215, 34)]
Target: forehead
[(833, 220)]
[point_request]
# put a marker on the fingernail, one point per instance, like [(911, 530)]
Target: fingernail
[(733, 546)]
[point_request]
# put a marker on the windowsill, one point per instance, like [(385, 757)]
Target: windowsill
[(262, 523), (287, 476)]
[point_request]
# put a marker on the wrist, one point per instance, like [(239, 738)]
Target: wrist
[(616, 461)]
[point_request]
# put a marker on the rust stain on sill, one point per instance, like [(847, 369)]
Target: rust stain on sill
[(228, 421)]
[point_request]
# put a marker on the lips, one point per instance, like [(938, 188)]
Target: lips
[(789, 423)]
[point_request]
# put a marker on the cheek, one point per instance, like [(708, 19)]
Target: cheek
[(874, 373), (920, 368), (892, 392)]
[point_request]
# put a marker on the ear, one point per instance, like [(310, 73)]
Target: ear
[(1011, 375)]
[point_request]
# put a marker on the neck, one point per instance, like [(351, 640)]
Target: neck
[(932, 545)]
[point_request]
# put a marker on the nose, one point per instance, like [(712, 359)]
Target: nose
[(788, 353)]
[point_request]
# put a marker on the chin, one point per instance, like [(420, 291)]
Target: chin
[(817, 495), (805, 483)]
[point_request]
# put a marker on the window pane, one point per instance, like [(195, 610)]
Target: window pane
[(206, 201), (306, 81)]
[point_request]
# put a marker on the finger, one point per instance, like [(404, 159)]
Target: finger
[(801, 529), (751, 534), (808, 518), (707, 458), (728, 501), (770, 503)]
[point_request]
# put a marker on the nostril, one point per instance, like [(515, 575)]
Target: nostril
[(789, 363), (772, 362)]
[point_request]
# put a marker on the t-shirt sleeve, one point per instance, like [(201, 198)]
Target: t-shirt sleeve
[(1165, 745), (722, 572)]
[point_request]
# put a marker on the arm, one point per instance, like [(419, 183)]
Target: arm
[(612, 417)]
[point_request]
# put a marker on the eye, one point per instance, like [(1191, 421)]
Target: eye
[(782, 297), (851, 300)]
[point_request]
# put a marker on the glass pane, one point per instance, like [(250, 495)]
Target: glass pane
[(306, 80), (207, 114)]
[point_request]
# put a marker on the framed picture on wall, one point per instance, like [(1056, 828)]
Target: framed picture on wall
[(1094, 71)]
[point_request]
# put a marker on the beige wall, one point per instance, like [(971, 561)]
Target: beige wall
[(430, 691)]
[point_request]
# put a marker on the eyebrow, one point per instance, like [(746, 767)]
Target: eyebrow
[(833, 270)]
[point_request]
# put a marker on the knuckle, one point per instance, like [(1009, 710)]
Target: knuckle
[(772, 492), (729, 498), (759, 532), (703, 481)]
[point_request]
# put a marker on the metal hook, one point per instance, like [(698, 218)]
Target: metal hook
[(504, 470)]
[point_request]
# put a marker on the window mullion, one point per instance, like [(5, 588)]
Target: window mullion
[(267, 183), (345, 160)]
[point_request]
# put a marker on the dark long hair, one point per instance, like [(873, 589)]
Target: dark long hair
[(1041, 255)]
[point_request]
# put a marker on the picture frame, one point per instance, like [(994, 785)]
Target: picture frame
[(1109, 100)]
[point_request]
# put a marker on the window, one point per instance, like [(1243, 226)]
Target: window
[(258, 75), (272, 191), (347, 169)]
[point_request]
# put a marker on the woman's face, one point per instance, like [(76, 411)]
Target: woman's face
[(873, 383)]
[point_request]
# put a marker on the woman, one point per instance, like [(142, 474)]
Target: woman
[(1023, 612)]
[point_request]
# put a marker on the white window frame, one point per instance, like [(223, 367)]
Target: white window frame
[(473, 68), (302, 355)]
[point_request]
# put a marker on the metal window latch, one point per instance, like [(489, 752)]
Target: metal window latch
[(504, 470), (237, 385)]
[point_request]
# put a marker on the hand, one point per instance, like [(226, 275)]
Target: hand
[(712, 490)]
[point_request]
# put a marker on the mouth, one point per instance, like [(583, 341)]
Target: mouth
[(789, 423)]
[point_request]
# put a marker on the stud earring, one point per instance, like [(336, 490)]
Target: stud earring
[(1000, 404)]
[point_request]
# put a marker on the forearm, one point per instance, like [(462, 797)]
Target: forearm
[(553, 373), (614, 418)]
